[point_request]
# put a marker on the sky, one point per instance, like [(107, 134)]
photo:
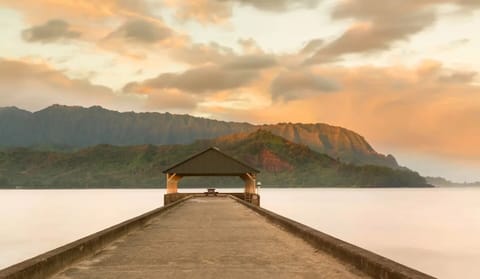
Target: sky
[(403, 74)]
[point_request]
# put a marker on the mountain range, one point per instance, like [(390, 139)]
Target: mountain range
[(71, 128), (281, 162)]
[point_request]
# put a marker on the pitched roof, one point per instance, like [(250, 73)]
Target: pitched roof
[(211, 162)]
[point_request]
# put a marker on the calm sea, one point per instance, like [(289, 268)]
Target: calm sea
[(434, 230)]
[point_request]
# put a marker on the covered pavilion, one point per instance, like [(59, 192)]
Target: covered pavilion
[(211, 162)]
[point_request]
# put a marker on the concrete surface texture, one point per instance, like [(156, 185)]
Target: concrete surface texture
[(212, 237)]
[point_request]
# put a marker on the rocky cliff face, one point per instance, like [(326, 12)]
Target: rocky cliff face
[(337, 142), (78, 127)]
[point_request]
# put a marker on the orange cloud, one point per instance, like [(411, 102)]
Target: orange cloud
[(214, 11), (171, 100), (36, 86), (413, 109), (204, 11), (84, 10)]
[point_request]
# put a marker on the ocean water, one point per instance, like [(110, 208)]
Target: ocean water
[(435, 230)]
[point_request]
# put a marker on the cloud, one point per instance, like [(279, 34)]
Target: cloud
[(312, 46), (141, 31), (215, 11), (93, 19), (298, 84), (204, 11), (379, 24), (219, 69), (249, 46), (463, 3), (36, 86), (52, 30), (135, 6), (141, 39), (82, 11), (251, 62), (197, 80), (279, 5), (458, 77), (215, 54), (198, 54), (171, 100)]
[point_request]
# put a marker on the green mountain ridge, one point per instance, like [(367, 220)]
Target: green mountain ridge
[(282, 163), (73, 128)]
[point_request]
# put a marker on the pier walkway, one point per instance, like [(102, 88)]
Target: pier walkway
[(214, 237)]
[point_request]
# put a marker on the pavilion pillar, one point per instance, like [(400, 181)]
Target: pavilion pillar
[(172, 182), (250, 195), (250, 185)]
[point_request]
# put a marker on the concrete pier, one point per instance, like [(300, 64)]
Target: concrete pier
[(209, 237)]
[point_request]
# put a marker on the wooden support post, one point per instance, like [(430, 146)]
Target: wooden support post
[(250, 185), (172, 182)]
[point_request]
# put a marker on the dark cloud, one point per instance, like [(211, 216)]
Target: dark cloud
[(220, 69), (297, 84), (52, 30), (458, 77), (251, 62), (141, 31), (197, 80), (379, 24), (312, 46), (373, 37), (279, 5), (213, 53)]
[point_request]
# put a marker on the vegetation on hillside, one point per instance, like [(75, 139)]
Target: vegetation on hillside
[(282, 163)]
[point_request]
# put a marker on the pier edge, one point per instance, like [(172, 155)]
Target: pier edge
[(368, 262), (55, 260)]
